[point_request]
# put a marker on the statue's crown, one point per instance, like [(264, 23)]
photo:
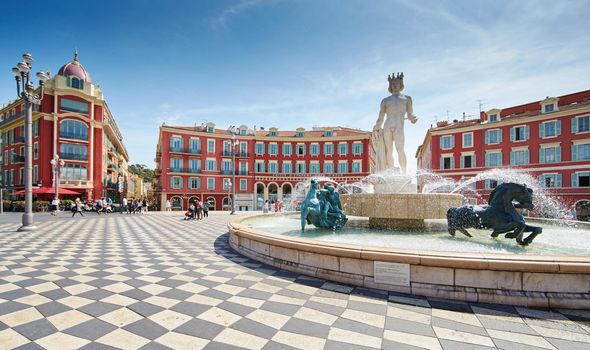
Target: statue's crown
[(392, 77)]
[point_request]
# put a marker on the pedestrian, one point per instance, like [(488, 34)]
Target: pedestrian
[(54, 206), (99, 205), (138, 206), (277, 206), (193, 210), (271, 207), (206, 209), (265, 207), (123, 205), (168, 206), (144, 206), (77, 207), (199, 209)]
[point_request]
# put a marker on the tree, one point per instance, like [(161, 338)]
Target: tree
[(142, 171)]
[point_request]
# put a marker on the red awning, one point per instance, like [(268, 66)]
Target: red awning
[(48, 190)]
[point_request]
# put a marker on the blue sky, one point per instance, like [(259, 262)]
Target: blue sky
[(302, 63)]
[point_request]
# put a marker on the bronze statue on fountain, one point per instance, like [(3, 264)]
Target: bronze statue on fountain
[(500, 214), (322, 208)]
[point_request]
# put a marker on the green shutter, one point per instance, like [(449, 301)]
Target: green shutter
[(542, 130), (527, 130), (452, 141), (558, 154), (558, 127), (500, 136), (574, 180), (526, 157), (512, 134), (574, 152), (558, 180), (574, 125), (542, 155), (487, 137)]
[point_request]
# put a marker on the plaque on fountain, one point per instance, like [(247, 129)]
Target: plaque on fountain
[(392, 273)]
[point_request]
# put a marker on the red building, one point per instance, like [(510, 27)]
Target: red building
[(196, 162), (73, 121), (550, 139)]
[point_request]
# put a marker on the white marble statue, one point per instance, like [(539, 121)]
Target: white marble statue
[(396, 107)]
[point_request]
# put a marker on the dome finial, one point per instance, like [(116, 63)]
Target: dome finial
[(76, 54)]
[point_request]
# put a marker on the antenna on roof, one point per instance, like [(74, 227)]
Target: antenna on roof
[(463, 116), (481, 103)]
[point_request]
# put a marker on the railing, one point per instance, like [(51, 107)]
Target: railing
[(242, 172), (185, 170), (18, 158), (11, 118), (73, 156), (19, 139), (242, 154), (185, 150), (73, 136), (226, 171), (76, 183)]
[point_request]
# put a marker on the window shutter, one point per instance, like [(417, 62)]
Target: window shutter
[(442, 163), (574, 152), (558, 180), (441, 143), (512, 134), (512, 158), (171, 182), (487, 137), (542, 155), (473, 161), (574, 180), (542, 180), (462, 161), (558, 127), (453, 163), (542, 130), (500, 159), (452, 141), (574, 125), (558, 154), (500, 136), (527, 130), (526, 157)]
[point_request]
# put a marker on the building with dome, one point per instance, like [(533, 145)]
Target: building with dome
[(74, 122)]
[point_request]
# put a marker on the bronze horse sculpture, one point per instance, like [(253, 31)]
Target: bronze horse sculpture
[(322, 208), (500, 214)]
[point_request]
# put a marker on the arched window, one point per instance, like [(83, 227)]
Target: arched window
[(73, 152), (76, 83), (73, 129)]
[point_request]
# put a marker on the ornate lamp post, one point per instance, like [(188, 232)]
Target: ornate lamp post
[(56, 164), (25, 89), (234, 144)]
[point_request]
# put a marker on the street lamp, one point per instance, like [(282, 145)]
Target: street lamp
[(25, 89), (234, 144), (56, 164)]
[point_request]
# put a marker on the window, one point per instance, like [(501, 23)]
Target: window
[(210, 183), (550, 180), (328, 167), (468, 161), (357, 148), (73, 172), (243, 168), (300, 149), (73, 106), (73, 152), (300, 134), (273, 149), (550, 129), (176, 144), (581, 124), (328, 149), (314, 168), (259, 166), (493, 118), (493, 136), (226, 184), (467, 139), (226, 166), (194, 145), (35, 174), (243, 185), (300, 168), (36, 128), (21, 176), (73, 129), (287, 149), (342, 167), (549, 108), (343, 148), (314, 149), (175, 164), (550, 154), (447, 142), (273, 133), (328, 133), (259, 148), (447, 162), (519, 133), (210, 146), (493, 159), (356, 167), (520, 157), (581, 151), (194, 183), (581, 179), (287, 167), (211, 165), (273, 167), (75, 82), (491, 184), (36, 150)]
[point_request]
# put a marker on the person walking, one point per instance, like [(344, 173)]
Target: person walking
[(199, 209), (168, 205), (55, 206), (123, 205), (144, 206), (77, 208), (265, 207), (193, 209), (206, 209)]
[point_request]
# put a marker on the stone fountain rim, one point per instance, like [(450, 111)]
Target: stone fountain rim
[(460, 260)]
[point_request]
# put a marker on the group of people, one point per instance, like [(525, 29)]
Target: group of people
[(273, 206), (134, 206), (197, 210), (102, 205)]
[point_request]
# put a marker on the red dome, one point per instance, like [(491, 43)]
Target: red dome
[(74, 68)]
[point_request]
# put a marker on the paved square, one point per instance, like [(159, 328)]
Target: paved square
[(157, 282)]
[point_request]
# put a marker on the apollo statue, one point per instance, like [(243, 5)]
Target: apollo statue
[(396, 107)]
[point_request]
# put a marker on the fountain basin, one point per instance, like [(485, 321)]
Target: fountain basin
[(402, 210), (547, 281)]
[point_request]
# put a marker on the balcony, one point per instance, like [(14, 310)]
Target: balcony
[(19, 139), (242, 172), (112, 167), (18, 158), (187, 150), (226, 171), (75, 183), (73, 156), (73, 136), (185, 170)]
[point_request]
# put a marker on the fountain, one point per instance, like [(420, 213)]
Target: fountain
[(398, 240)]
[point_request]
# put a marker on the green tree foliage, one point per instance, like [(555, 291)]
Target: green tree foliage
[(142, 171)]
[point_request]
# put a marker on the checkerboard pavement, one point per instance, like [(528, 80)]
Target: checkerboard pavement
[(157, 282)]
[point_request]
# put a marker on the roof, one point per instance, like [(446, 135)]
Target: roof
[(316, 132), (76, 69)]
